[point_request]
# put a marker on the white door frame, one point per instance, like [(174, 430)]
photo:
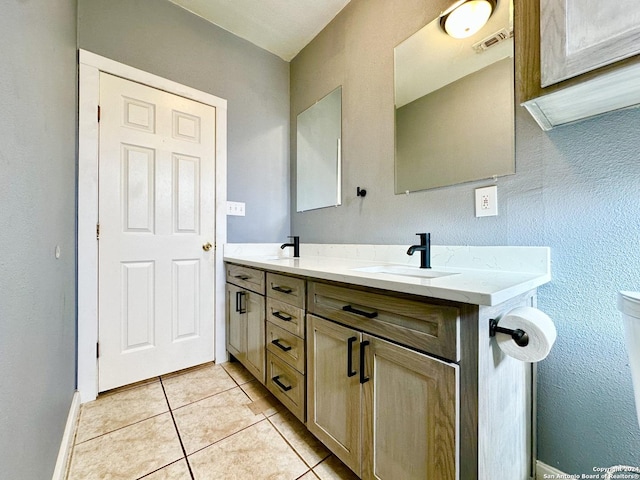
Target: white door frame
[(88, 137)]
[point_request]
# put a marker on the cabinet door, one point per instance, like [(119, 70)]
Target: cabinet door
[(579, 36), (333, 392), (255, 334), (235, 321), (409, 414)]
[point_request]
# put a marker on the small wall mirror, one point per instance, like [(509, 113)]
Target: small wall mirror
[(319, 132), (454, 99)]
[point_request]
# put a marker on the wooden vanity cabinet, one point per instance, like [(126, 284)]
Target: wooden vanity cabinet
[(395, 385), (285, 343), (386, 411), (245, 318), (389, 407)]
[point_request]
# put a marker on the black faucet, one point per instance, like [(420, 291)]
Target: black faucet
[(424, 248), (295, 245)]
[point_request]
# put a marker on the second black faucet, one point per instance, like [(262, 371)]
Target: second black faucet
[(295, 244), (424, 248)]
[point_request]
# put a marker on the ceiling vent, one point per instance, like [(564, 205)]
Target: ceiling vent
[(493, 40)]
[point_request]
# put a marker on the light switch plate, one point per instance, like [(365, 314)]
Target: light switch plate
[(235, 209), (487, 201)]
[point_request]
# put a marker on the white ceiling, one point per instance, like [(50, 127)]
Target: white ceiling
[(282, 27)]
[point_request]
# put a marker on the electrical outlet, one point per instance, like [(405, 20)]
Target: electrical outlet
[(235, 209), (487, 201)]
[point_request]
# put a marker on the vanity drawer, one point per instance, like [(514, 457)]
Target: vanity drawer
[(247, 277), (286, 316), (286, 384), (427, 327), (286, 345), (287, 289)]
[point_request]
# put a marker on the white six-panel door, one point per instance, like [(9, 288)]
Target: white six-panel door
[(156, 222)]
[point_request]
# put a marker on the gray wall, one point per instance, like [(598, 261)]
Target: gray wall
[(162, 38), (37, 212), (575, 190)]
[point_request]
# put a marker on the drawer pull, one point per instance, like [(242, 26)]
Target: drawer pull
[(277, 343), (281, 316), (350, 371), (242, 277), (280, 289), (284, 387), (363, 379), (350, 309)]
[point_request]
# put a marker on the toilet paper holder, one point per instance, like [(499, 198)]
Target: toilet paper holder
[(519, 336)]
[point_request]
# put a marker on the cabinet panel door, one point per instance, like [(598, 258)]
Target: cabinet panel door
[(333, 397), (235, 322), (580, 35), (255, 335), (409, 414)]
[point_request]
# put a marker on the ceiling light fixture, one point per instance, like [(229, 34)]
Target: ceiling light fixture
[(466, 17)]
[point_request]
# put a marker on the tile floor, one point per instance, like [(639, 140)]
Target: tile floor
[(211, 422)]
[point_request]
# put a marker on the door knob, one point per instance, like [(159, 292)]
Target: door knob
[(207, 246)]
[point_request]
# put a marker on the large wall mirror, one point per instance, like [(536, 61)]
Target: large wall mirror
[(318, 153), (454, 100)]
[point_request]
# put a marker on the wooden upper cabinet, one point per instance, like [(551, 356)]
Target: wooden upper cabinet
[(576, 58), (578, 36)]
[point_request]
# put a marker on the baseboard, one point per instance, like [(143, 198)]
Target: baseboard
[(66, 445), (546, 472)]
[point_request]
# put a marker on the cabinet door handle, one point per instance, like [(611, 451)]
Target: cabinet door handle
[(350, 371), (363, 379), (350, 309), (281, 316), (280, 289), (238, 301), (277, 343), (242, 277), (239, 296), (284, 387)]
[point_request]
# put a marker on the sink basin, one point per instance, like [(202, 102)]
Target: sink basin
[(276, 259), (404, 271)]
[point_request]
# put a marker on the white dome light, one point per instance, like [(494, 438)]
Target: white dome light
[(467, 19)]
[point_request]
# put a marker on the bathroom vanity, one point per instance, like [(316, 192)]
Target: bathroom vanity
[(392, 367)]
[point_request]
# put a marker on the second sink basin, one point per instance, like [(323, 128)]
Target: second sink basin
[(404, 271)]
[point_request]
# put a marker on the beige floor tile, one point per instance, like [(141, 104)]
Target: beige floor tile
[(238, 372), (263, 401), (297, 435), (255, 390), (209, 420), (130, 452), (334, 469), (120, 408), (175, 471), (309, 476), (196, 384), (257, 452)]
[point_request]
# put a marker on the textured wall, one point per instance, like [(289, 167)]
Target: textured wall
[(37, 212), (575, 190), (162, 38)]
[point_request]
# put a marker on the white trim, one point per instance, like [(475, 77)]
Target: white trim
[(89, 93), (545, 472), (66, 445)]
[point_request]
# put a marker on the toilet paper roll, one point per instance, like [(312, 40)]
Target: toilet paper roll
[(537, 324)]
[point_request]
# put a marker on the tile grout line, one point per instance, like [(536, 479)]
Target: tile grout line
[(175, 425), (311, 467), (200, 399), (228, 436)]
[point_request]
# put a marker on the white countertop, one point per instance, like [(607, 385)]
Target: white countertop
[(478, 275)]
